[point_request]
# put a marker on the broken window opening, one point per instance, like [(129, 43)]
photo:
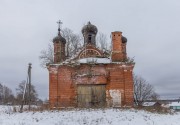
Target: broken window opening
[(89, 38)]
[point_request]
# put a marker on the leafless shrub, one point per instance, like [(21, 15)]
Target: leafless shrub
[(143, 91), (46, 56)]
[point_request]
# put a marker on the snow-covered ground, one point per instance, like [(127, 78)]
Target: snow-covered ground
[(87, 117)]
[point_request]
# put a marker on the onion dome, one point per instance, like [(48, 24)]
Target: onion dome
[(59, 38), (89, 28), (124, 39)]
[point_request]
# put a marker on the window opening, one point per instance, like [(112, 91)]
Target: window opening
[(89, 38)]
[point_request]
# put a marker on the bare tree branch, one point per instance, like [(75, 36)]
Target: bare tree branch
[(6, 95), (73, 44), (73, 41), (143, 90), (20, 92), (102, 41), (46, 56)]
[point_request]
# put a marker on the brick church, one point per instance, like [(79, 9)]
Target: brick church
[(91, 79)]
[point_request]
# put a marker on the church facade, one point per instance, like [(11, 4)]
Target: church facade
[(91, 79)]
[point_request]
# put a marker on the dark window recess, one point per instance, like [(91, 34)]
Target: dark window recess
[(89, 38)]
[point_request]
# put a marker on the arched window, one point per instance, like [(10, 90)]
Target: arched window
[(89, 38)]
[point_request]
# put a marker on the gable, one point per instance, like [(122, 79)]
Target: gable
[(90, 51)]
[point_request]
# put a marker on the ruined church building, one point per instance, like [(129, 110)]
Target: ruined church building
[(91, 79)]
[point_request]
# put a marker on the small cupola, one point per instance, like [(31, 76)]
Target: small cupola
[(59, 46), (59, 38), (124, 39), (89, 32)]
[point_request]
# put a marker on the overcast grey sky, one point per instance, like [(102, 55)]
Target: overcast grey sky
[(152, 28)]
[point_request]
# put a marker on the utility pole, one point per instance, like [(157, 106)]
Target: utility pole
[(22, 102), (29, 75), (25, 86)]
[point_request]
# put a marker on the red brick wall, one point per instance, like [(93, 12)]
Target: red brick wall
[(63, 81), (66, 88), (118, 48), (129, 87), (59, 52), (120, 79), (53, 86)]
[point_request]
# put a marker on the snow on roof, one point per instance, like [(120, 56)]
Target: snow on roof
[(94, 60), (174, 104), (90, 60)]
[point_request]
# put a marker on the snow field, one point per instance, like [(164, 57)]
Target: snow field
[(87, 117)]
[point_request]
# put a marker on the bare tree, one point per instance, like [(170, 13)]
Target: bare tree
[(143, 91), (6, 95), (73, 41), (46, 56), (20, 92), (103, 44), (102, 41), (73, 44)]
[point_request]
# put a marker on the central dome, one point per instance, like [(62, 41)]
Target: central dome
[(89, 28)]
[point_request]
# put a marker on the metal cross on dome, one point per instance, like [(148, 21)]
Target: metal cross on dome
[(59, 25)]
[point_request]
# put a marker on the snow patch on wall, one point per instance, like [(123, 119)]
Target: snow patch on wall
[(116, 97), (53, 70)]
